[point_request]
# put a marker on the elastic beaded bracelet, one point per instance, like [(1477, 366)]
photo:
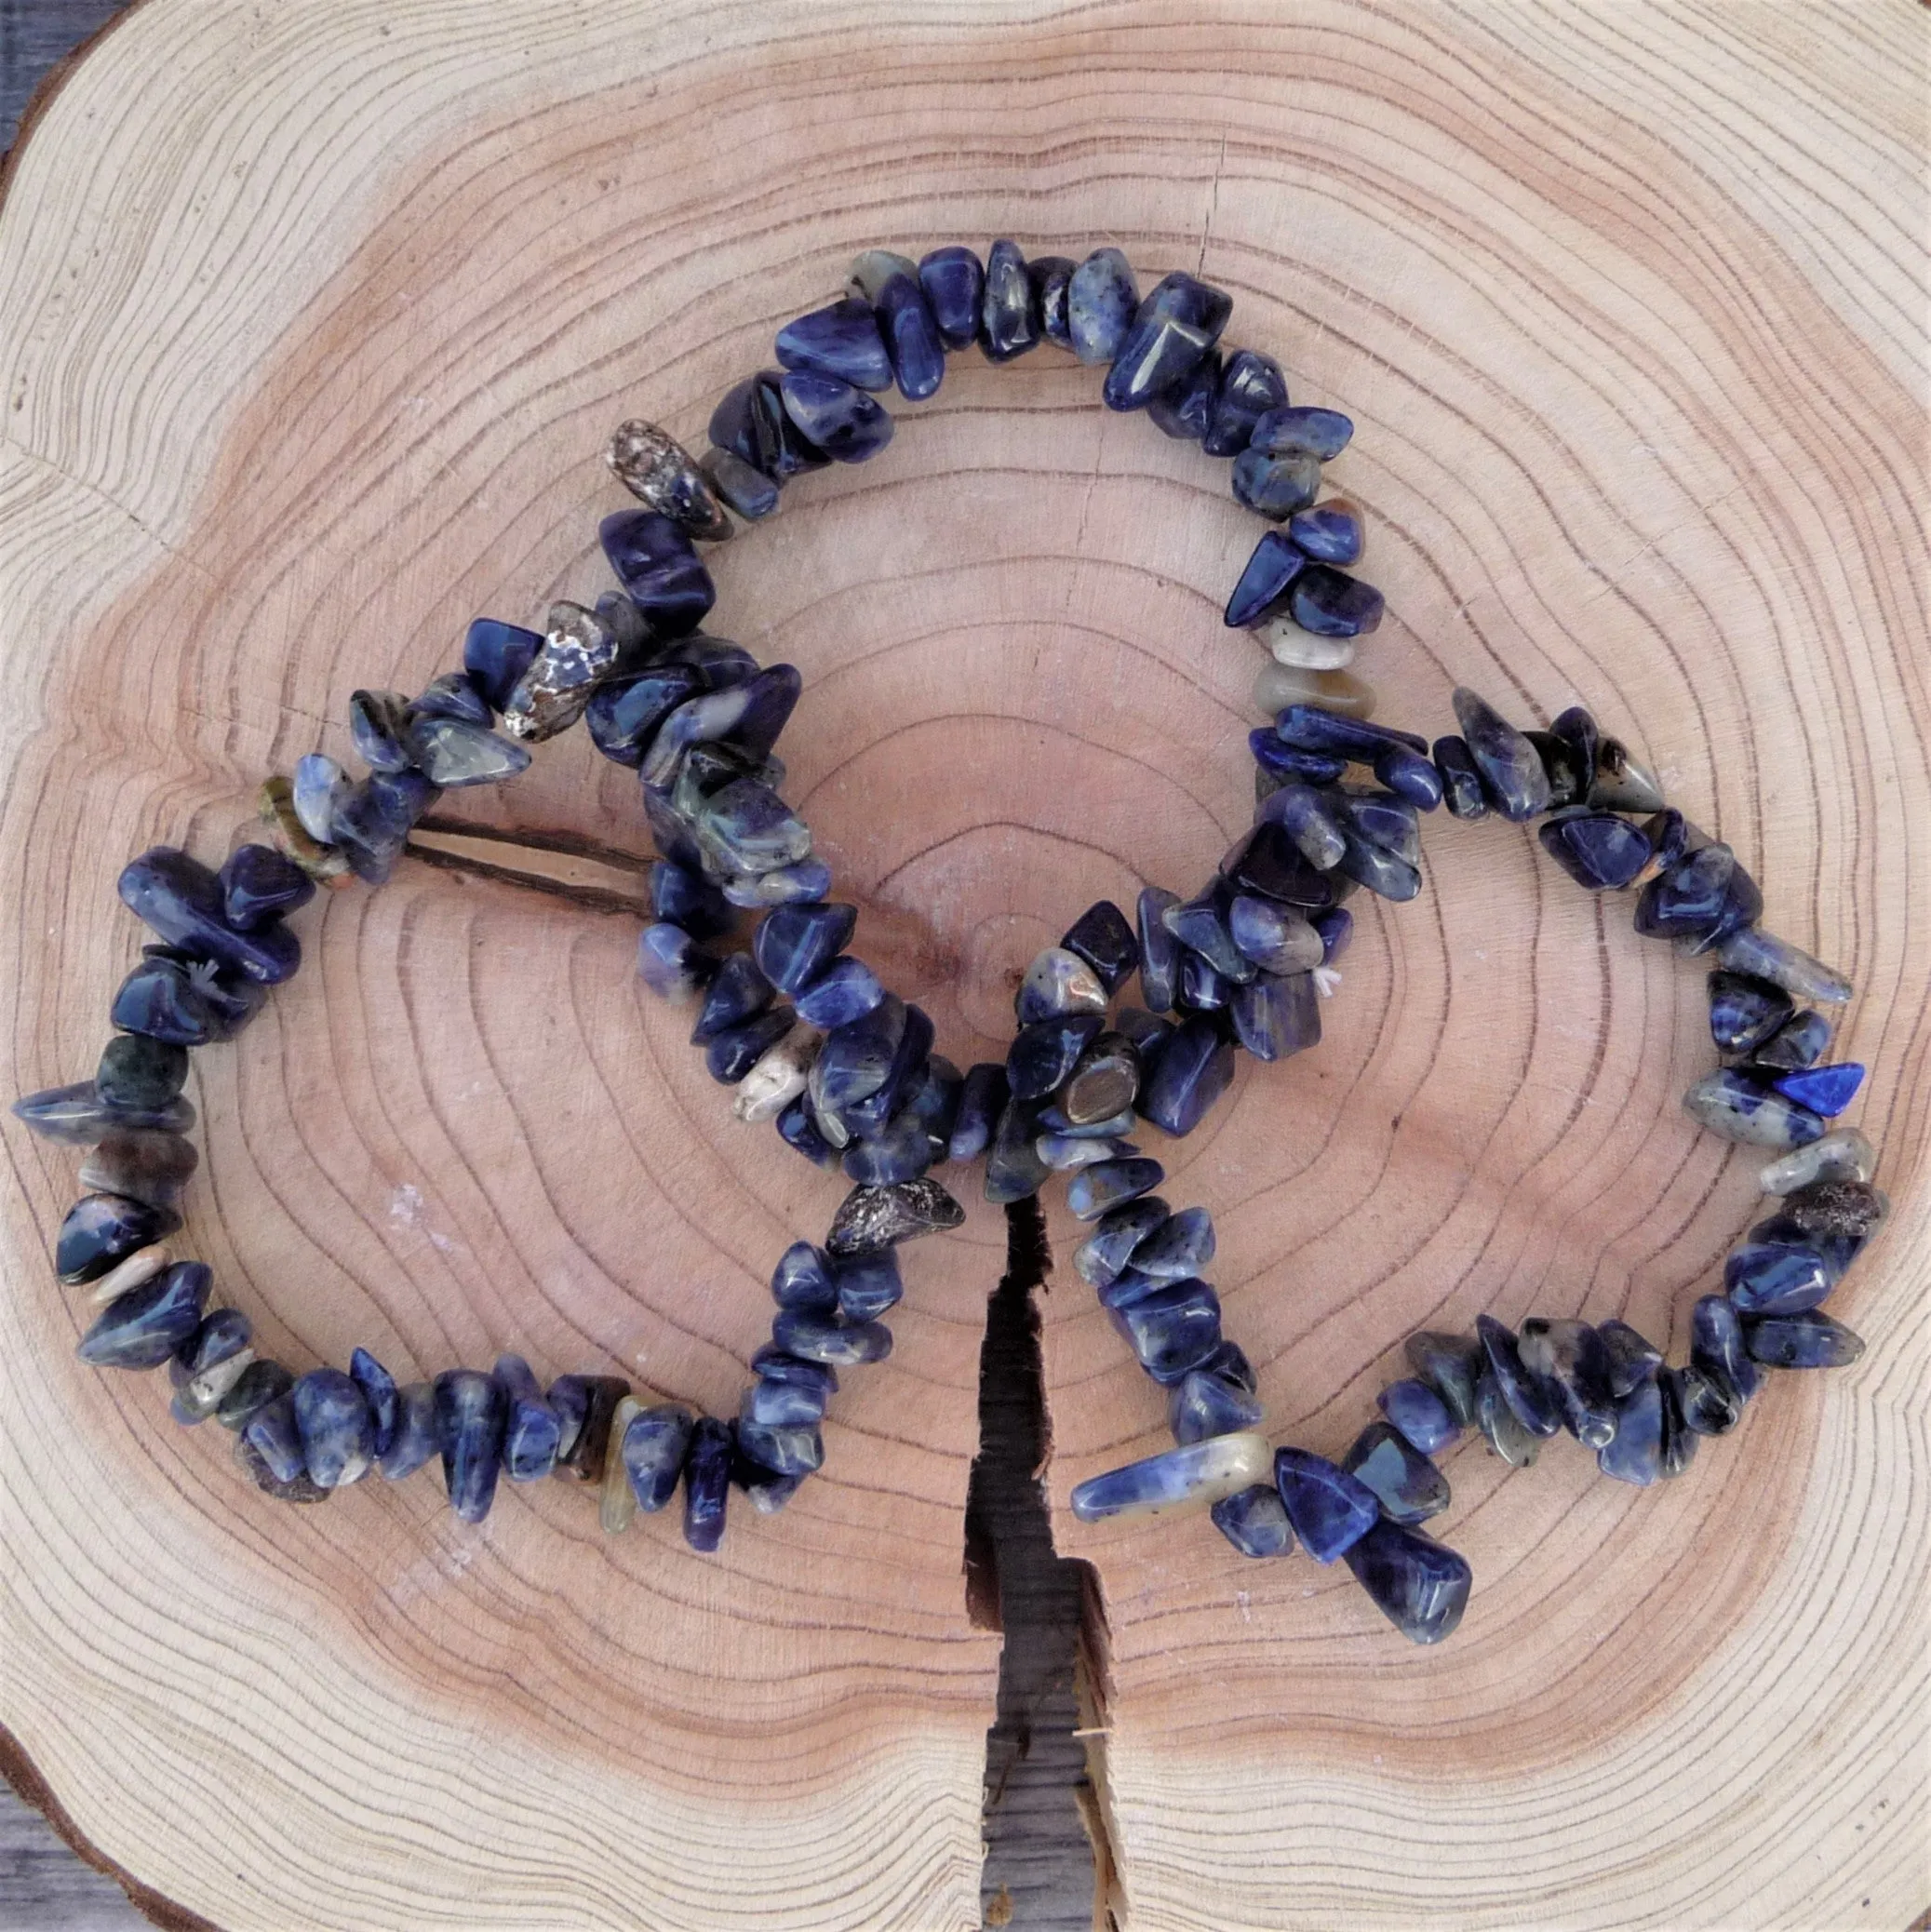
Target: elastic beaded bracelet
[(813, 1042)]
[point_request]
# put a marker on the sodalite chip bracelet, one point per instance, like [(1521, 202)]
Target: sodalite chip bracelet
[(811, 1042)]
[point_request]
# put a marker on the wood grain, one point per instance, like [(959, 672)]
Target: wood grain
[(311, 324)]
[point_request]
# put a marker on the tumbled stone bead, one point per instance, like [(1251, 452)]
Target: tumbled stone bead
[(1596, 849), (844, 990), (1836, 1251), (182, 901), (1335, 925), (1009, 323), (585, 1406), (624, 714), (1419, 1585), (1013, 1169), (840, 341), (1195, 1476), (795, 944), (655, 563), (1171, 1328), (208, 1364), (1836, 1209), (260, 1383), (496, 655), (1523, 1393), (1193, 1070), (1159, 951), (1775, 1278), (1050, 278), (1699, 901), (318, 787), (271, 1432), (912, 338), (787, 1449), (533, 1429), (471, 1413), (1760, 954), (1102, 299), (1331, 1510), (867, 1285), (1568, 776), (1411, 778), (1843, 1155), (1631, 1357), (732, 1054), (1102, 1084), (737, 991), (1568, 1360), (1678, 1442), (131, 1272), (1043, 1053), (1312, 727), (777, 1077), (1328, 601), (1314, 821), (616, 1500), (1501, 1427), (1185, 411), (81, 1114), (1254, 1521), (982, 1100), (898, 1149), (838, 417), (1717, 1349), (1250, 385), (652, 1451), (1276, 1016), (260, 884), (102, 1230), (869, 1218), (1103, 936), (802, 884), (661, 474), (174, 997), (1824, 1090), (1096, 1190), (1266, 583), (338, 1435), (744, 826), (1409, 1486), (1708, 1409), (375, 820), (1180, 1245), (1322, 433), (1202, 988), (142, 1328), (299, 1489), (670, 963), (798, 1128), (450, 754), (1811, 1339), (1512, 773), (141, 1163), (706, 1483), (1461, 779), (379, 1394), (953, 281), (784, 1402), (452, 695), (1421, 1416), (1329, 532), (1744, 1012), (578, 651), (1800, 1041), (1202, 1403), (1057, 983), (857, 1058), (1369, 861), (873, 268), (1740, 1106), (274, 803), (1277, 487), (1102, 1256), (741, 487), (1172, 330), (1200, 924), (1451, 1365)]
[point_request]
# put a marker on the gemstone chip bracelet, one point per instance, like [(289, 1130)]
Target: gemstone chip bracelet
[(811, 1041)]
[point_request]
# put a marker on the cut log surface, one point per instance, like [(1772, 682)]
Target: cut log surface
[(313, 321)]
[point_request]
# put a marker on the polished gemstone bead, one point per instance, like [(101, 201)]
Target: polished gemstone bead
[(1708, 1407), (1451, 1365), (1413, 1408), (1678, 1448), (452, 695), (1180, 1245), (533, 1429), (1841, 1155), (749, 422), (624, 714), (1051, 277), (1331, 1510), (1740, 1106), (1836, 1251), (1810, 1339), (1276, 1016), (670, 963), (1318, 824), (1461, 778), (1186, 412), (745, 827), (1254, 1521), (1760, 954), (260, 1383), (1698, 901), (1250, 384), (911, 334), (208, 1364), (798, 1128), (274, 803), (1329, 532), (318, 789), (450, 753), (1202, 988), (1318, 728), (1568, 776), (81, 1114), (1043, 1053), (1569, 1361), (778, 1402), (857, 1057), (1095, 1189), (141, 1163), (1836, 1209), (1200, 924), (953, 282), (496, 655), (652, 1449), (1195, 1476), (1335, 925), (846, 990), (375, 820), (1013, 1169), (1102, 1258), (173, 997), (1159, 951), (869, 1218), (1419, 1585), (1383, 821), (1173, 1328), (981, 1101), (1103, 1083), (585, 1406), (409, 1440), (1193, 1070), (803, 884), (1057, 983), (260, 884), (1501, 1427), (787, 1449), (1103, 936), (837, 416), (578, 651), (616, 1501), (184, 902), (872, 269), (708, 1483), (1512, 773), (1172, 330), (298, 1490), (1326, 600), (143, 1327), (778, 1077), (1266, 583), (1824, 1090), (141, 1266), (1102, 299), (1534, 1407), (1371, 862), (1632, 1358), (737, 991), (732, 1053), (898, 1149), (1203, 1403), (1775, 1278), (735, 484), (1800, 1041), (840, 341), (1717, 1349), (1411, 778), (272, 1433), (376, 1388), (1277, 487), (1596, 849), (337, 1431), (661, 474), (1408, 1486), (1008, 322), (796, 944), (867, 1285), (102, 1230), (1744, 1012), (471, 1413), (1320, 433), (655, 563)]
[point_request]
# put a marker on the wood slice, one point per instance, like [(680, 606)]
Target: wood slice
[(312, 325)]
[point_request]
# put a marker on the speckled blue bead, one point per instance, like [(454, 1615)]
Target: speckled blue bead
[(1798, 1043), (100, 1230), (1275, 487), (1745, 1012), (1042, 1054), (1411, 777), (471, 1413), (655, 1447), (1172, 1329), (1331, 604), (337, 1431), (1809, 1339), (658, 564), (272, 1433), (1173, 328), (496, 655), (1184, 411), (839, 340), (1420, 1415), (1093, 1190), (732, 1053), (1461, 780), (795, 944), (981, 1102), (1250, 385), (1409, 1486), (1051, 277), (1824, 1090), (532, 1432), (1194, 1068), (836, 1344), (1634, 1454), (412, 1442), (379, 1390), (1009, 323), (1323, 433), (839, 418), (143, 1327), (184, 902), (1102, 299), (1200, 1402), (173, 997), (1329, 532), (751, 423), (1277, 1014), (1255, 1521), (1419, 1585), (1512, 772), (1330, 1509), (1765, 1278), (912, 338), (1531, 1406), (953, 281), (708, 1483), (1717, 1350)]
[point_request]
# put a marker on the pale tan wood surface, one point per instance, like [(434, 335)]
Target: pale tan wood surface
[(311, 323)]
